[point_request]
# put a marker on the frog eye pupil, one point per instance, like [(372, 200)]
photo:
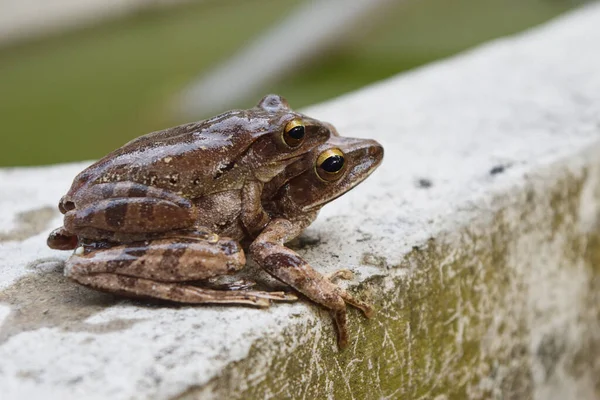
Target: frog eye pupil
[(296, 132), (330, 164), (333, 164), (293, 133)]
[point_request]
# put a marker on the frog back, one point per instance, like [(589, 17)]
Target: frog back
[(189, 159)]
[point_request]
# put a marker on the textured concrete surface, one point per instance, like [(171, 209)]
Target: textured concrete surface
[(478, 239)]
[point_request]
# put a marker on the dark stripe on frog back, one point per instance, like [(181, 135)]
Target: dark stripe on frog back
[(120, 211), (123, 189), (147, 211), (137, 190), (107, 189), (116, 214)]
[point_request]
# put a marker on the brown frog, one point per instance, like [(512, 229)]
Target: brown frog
[(163, 181), (136, 258), (293, 201)]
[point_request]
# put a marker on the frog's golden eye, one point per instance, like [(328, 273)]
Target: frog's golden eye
[(293, 133), (330, 164)]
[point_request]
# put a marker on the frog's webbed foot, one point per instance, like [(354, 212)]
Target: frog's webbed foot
[(270, 253), (180, 293)]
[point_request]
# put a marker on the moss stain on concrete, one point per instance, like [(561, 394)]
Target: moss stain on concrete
[(47, 299), (460, 324)]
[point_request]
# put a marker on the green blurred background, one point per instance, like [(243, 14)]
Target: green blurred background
[(78, 95)]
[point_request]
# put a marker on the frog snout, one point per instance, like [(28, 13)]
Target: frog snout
[(65, 204), (375, 152)]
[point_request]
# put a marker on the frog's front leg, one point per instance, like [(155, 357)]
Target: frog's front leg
[(158, 268), (269, 252), (253, 216)]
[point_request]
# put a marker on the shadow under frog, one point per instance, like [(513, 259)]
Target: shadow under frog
[(47, 299)]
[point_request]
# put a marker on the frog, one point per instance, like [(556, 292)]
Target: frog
[(293, 201), (126, 254), (164, 173)]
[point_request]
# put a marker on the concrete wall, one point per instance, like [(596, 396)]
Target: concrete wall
[(478, 239)]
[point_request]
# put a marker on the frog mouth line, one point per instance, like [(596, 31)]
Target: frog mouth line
[(356, 183), (292, 157), (288, 160)]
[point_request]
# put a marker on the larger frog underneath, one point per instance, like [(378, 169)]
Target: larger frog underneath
[(173, 207)]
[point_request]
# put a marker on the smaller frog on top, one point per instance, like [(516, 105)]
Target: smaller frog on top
[(155, 183), (293, 200)]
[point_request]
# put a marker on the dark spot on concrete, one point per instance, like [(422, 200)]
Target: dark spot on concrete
[(303, 242), (365, 236), (498, 169), (29, 223), (424, 183), (374, 260), (549, 351), (47, 299)]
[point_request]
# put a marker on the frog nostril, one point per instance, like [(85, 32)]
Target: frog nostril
[(65, 206)]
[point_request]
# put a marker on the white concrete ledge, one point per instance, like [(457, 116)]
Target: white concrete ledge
[(478, 239)]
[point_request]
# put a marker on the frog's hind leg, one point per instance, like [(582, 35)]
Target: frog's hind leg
[(145, 288), (126, 207), (269, 252), (137, 214), (158, 268)]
